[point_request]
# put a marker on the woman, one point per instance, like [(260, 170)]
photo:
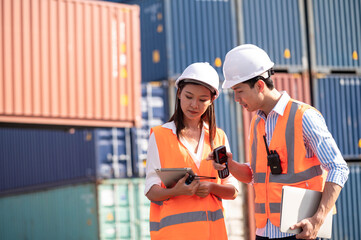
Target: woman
[(191, 211)]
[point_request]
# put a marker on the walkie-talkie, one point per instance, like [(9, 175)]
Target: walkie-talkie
[(220, 156), (191, 177), (273, 159)]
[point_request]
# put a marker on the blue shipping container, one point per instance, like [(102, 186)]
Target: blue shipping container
[(338, 98), (335, 33), (278, 27), (195, 31), (347, 221), (154, 107), (41, 157)]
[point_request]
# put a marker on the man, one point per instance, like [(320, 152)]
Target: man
[(304, 152)]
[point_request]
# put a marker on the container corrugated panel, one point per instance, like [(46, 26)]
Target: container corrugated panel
[(347, 222), (199, 31), (335, 33), (278, 27), (39, 158), (153, 43), (114, 209), (154, 112), (338, 98), (70, 62), (123, 210), (195, 31)]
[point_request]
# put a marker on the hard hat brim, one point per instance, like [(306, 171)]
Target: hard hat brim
[(229, 84), (188, 80)]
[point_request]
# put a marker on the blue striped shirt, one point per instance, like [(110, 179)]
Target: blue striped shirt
[(318, 140)]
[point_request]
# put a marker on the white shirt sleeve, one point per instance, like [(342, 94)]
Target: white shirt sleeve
[(153, 162)]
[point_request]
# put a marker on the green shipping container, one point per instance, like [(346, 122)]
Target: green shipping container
[(111, 209)]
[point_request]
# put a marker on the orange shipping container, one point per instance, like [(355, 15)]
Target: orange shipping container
[(69, 62)]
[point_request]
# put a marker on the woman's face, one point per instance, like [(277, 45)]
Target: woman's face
[(194, 101)]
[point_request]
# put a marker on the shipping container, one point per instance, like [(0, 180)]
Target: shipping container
[(347, 222), (153, 39), (278, 27), (35, 158), (195, 31), (335, 33), (154, 106), (338, 98), (110, 209), (70, 62)]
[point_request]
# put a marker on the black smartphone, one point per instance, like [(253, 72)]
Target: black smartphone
[(220, 156)]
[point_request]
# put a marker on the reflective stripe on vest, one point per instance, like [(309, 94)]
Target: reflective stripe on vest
[(297, 170), (186, 218), (261, 207)]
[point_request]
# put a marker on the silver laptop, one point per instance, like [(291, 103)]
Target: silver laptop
[(298, 204)]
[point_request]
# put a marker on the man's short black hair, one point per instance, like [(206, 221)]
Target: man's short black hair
[(269, 82)]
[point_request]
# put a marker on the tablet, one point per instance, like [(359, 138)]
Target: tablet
[(170, 176)]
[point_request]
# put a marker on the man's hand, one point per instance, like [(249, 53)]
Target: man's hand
[(240, 171), (310, 228), (218, 166)]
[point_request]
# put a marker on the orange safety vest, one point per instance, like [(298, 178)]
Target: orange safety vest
[(297, 169), (187, 217)]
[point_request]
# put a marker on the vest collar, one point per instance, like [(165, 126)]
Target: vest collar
[(280, 106)]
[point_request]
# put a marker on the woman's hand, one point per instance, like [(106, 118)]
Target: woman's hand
[(158, 193), (181, 188), (204, 189)]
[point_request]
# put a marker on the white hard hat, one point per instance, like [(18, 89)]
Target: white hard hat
[(202, 73), (243, 63)]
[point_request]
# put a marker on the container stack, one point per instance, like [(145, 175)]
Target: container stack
[(83, 82), (336, 70), (335, 31), (71, 89)]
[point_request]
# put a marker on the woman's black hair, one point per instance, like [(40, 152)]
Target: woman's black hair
[(208, 116)]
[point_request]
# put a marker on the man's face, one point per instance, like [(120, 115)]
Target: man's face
[(246, 96)]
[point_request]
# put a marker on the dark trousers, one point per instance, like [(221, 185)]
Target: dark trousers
[(286, 238)]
